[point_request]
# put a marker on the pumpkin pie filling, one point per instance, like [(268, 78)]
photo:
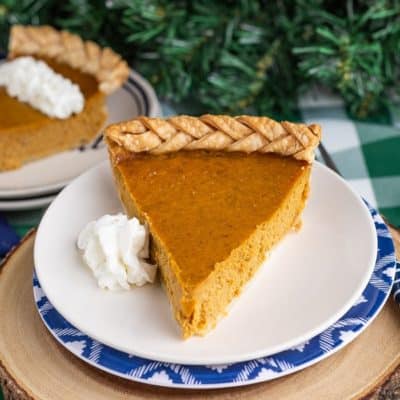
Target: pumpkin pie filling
[(210, 202), (212, 216), (205, 206)]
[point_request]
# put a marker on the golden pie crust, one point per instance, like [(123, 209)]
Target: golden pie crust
[(213, 212), (110, 70), (217, 132)]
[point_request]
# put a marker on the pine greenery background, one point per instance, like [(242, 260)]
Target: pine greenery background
[(234, 54)]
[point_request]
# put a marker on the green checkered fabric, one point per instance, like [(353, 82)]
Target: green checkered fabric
[(367, 154)]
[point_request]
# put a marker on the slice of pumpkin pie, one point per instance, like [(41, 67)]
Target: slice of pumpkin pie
[(217, 193), (53, 90)]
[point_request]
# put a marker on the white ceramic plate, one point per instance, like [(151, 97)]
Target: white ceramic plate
[(50, 174), (26, 203), (310, 280)]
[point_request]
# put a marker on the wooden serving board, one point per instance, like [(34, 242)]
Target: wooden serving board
[(34, 366)]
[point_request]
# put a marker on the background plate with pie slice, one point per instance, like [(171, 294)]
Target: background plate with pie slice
[(310, 280), (49, 175)]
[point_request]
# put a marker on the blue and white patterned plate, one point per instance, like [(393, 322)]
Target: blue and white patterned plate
[(244, 373)]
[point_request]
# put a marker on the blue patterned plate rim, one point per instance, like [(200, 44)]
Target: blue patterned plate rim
[(138, 369)]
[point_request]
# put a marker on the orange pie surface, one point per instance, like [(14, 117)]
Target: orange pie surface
[(201, 205), (212, 215)]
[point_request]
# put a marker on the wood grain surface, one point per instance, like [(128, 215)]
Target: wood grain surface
[(34, 366)]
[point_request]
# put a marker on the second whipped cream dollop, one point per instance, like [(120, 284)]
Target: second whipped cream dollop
[(114, 247), (34, 82)]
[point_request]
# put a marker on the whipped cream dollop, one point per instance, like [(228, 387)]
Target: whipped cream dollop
[(115, 248), (34, 82)]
